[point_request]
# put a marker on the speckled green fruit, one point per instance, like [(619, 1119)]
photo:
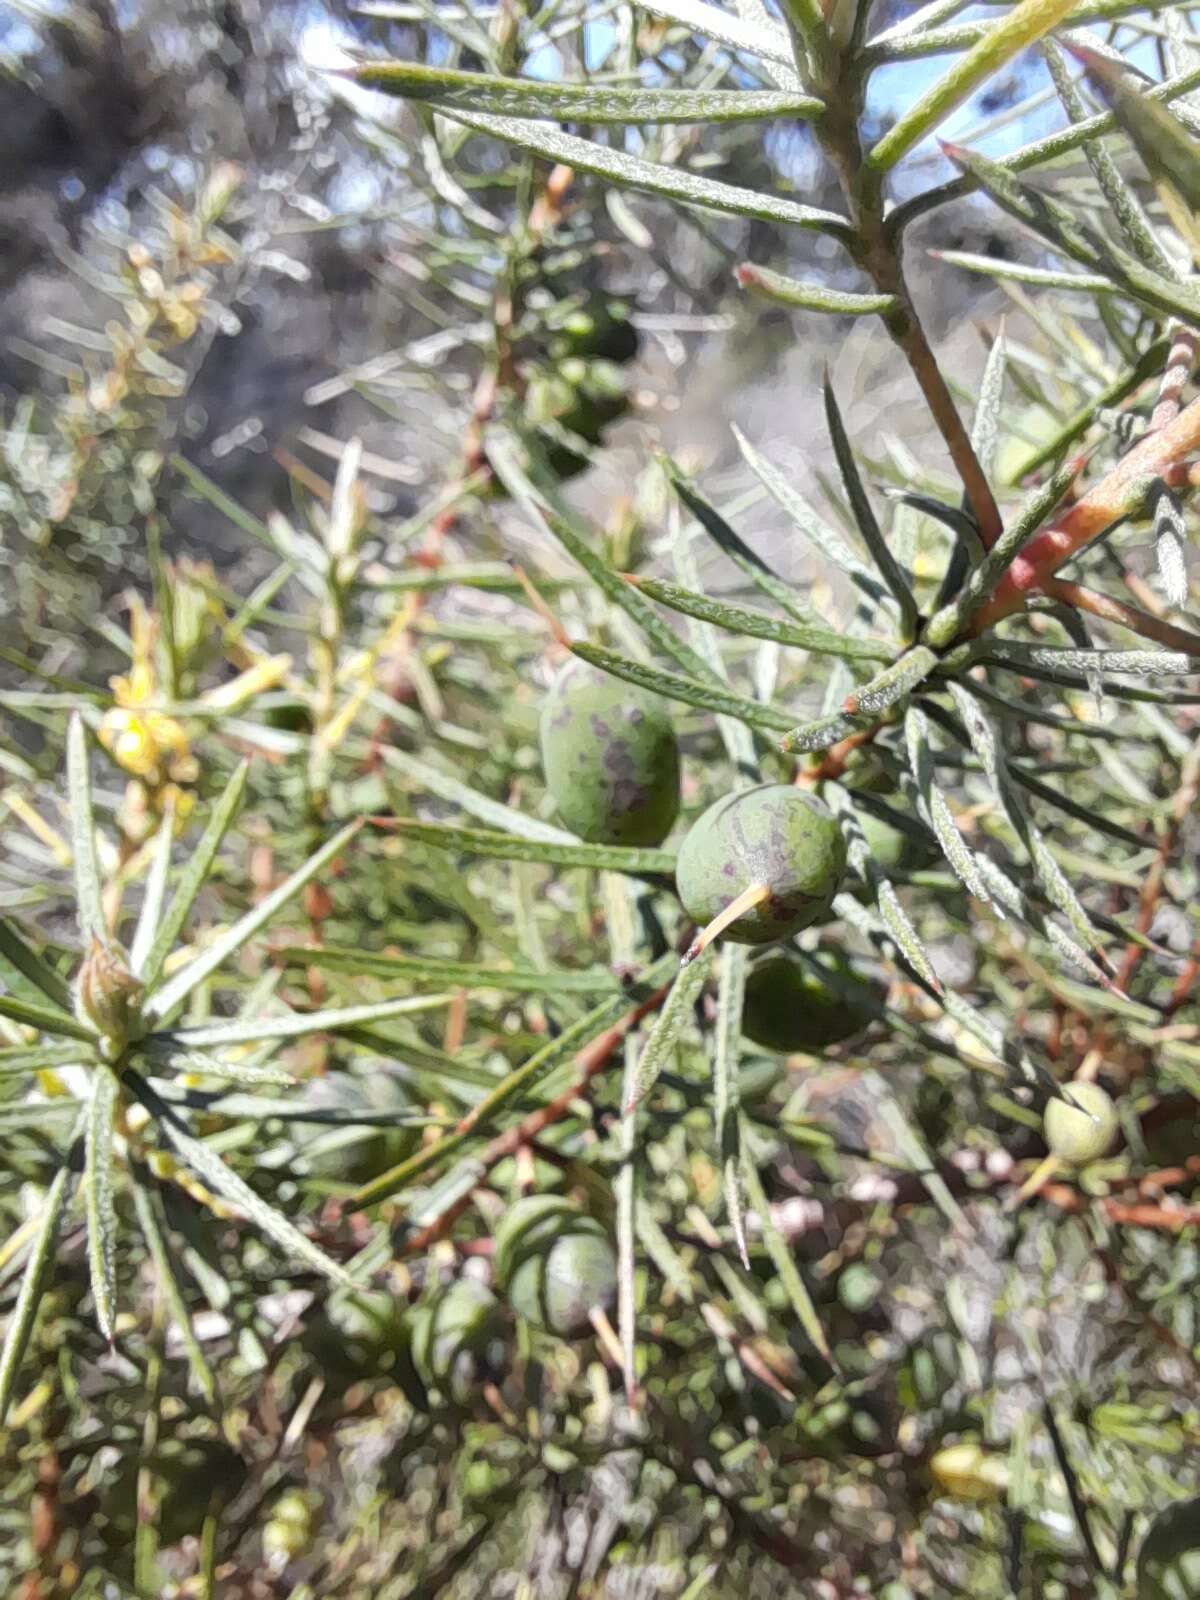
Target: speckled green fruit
[(775, 835), (555, 1264), (787, 1007), (895, 849), (1169, 1561), (1084, 1131), (610, 757), (449, 1332)]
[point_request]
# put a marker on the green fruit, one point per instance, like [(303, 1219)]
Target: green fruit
[(449, 1334), (601, 327), (895, 849), (1084, 1131), (611, 758), (776, 836), (1169, 1562), (787, 1007), (555, 1264)]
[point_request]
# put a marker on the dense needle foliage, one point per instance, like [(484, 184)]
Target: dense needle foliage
[(403, 1193)]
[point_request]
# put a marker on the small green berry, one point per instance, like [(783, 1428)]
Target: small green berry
[(787, 1007), (1084, 1131), (449, 1333), (555, 1264), (610, 757), (775, 840)]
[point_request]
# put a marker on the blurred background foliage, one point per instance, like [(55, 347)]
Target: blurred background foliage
[(257, 325)]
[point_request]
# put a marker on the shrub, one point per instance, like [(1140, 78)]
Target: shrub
[(866, 1337)]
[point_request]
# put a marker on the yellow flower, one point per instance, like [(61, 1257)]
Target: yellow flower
[(968, 1472)]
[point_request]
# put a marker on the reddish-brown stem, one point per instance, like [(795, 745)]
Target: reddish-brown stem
[(908, 333), (1181, 358), (1119, 493), (1131, 617), (590, 1061)]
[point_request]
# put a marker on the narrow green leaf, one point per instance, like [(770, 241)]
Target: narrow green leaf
[(195, 875), (894, 683), (1171, 154), (542, 513), (427, 969), (673, 687), (911, 1147), (781, 1255), (949, 622), (19, 1060), (89, 905), (1089, 283), (161, 1054), (506, 847), (650, 177), (625, 1194), (668, 1025), (784, 291), (154, 897), (176, 989), (18, 953), (1005, 38), (726, 1104), (986, 743), (732, 545), (218, 1035), (735, 736), (935, 808), (450, 90), (757, 38), (220, 501), (985, 426), (538, 1067), (1030, 659), (864, 517), (820, 734), (916, 35), (168, 1283), (1072, 808), (31, 1113), (900, 926), (33, 1282), (446, 787), (1124, 205), (206, 1164), (819, 534), (1060, 228), (48, 1018), (99, 1203), (757, 625), (1009, 895)]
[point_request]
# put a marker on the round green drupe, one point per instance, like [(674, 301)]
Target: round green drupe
[(895, 849), (555, 1264), (774, 835), (449, 1332), (787, 1007), (610, 757), (1084, 1131), (1169, 1561)]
